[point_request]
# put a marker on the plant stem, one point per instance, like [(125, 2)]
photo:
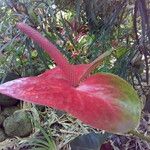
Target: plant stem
[(95, 64), (140, 135)]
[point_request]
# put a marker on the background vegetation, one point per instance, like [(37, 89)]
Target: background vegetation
[(82, 30)]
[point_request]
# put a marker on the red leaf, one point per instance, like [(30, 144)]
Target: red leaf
[(44, 89), (103, 101), (100, 101), (110, 103)]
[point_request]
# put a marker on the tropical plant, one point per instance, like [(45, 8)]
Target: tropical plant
[(81, 30), (103, 101)]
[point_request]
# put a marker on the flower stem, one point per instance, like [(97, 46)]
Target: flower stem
[(95, 64)]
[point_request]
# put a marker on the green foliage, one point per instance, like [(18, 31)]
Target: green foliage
[(82, 30), (43, 144)]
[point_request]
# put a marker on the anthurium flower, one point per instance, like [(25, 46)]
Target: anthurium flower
[(104, 101)]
